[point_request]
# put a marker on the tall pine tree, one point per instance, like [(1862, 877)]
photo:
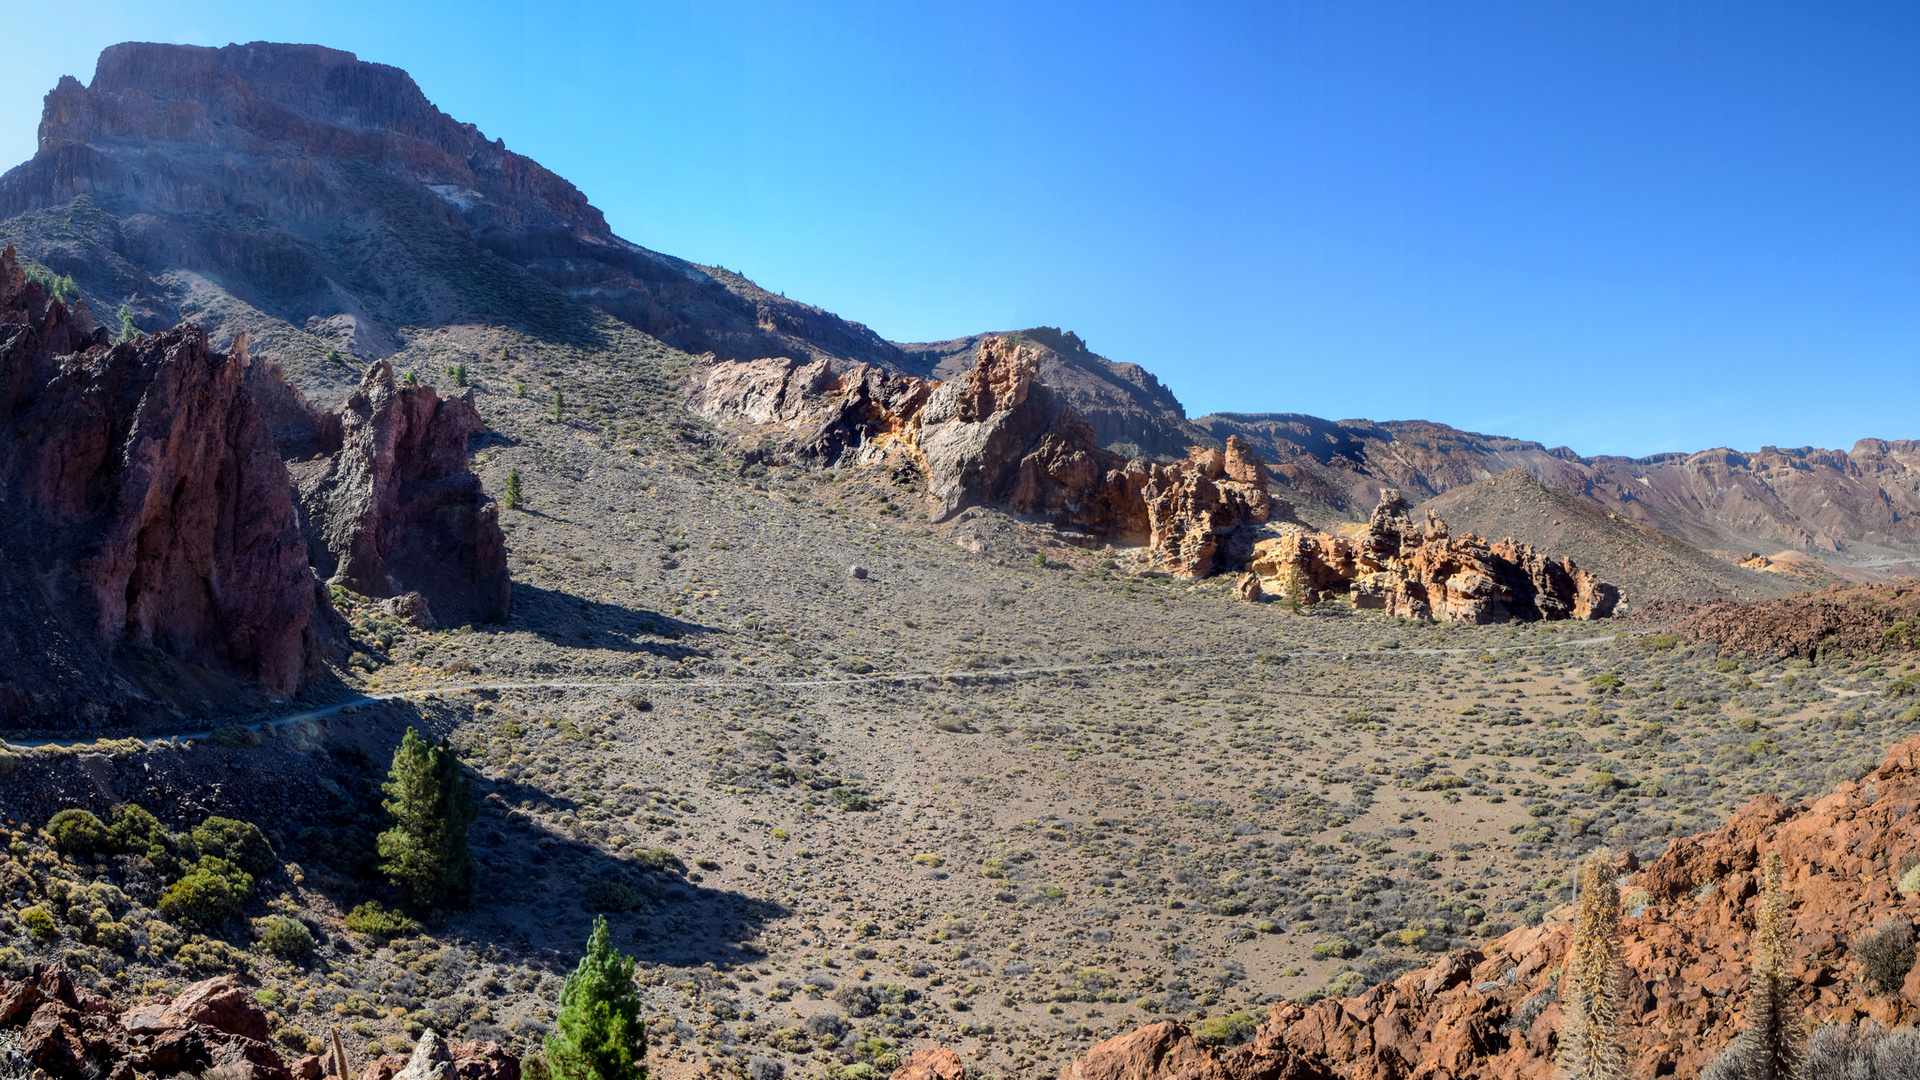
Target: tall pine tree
[(600, 1036), (432, 806)]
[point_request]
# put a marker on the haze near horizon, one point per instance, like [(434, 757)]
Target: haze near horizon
[(1627, 231)]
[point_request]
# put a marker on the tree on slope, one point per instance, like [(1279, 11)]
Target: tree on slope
[(431, 803), (599, 1034)]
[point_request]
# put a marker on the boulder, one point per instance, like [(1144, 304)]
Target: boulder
[(220, 1003), (932, 1063)]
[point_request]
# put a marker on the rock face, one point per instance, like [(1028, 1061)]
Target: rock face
[(932, 1063), (434, 1059), (1490, 1012), (148, 516), (996, 435), (1424, 572), (396, 510)]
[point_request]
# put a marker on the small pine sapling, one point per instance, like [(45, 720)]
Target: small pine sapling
[(599, 1036)]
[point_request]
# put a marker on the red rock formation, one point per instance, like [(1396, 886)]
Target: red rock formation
[(71, 1032), (1857, 618), (1486, 1012), (932, 1063), (1428, 573), (147, 511), (996, 436), (397, 509)]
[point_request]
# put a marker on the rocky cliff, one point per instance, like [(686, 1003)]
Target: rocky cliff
[(152, 549), (1425, 572), (395, 509), (995, 435), (1492, 1012)]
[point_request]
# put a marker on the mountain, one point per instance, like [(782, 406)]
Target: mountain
[(1642, 560), (323, 203), (1858, 507)]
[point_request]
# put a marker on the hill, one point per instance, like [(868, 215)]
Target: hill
[(1643, 561)]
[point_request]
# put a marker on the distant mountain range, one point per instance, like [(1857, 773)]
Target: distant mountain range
[(325, 206)]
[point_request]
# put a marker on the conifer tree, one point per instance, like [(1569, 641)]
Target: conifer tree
[(513, 489), (599, 1034), (1590, 989), (432, 806)]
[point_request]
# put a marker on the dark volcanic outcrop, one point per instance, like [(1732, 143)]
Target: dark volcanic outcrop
[(1490, 1013), (150, 536), (330, 194), (396, 509), (1860, 619), (1426, 572)]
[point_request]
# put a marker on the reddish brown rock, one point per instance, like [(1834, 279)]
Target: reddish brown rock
[(1856, 618), (932, 1063), (398, 510), (220, 1003), (1425, 572), (1203, 513), (1685, 945), (147, 512)]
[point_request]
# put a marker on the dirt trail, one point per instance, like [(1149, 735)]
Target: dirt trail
[(839, 680)]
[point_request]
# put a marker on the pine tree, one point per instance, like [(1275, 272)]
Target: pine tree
[(128, 328), (600, 1036), (1590, 989), (432, 806), (513, 489), (559, 405)]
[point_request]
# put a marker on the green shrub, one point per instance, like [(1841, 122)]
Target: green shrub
[(294, 1038), (12, 963), (375, 921), (212, 892), (238, 842), (286, 938), (660, 860), (1230, 1030), (39, 922), (137, 831), (1338, 948), (1345, 984), (1886, 955), (78, 832), (1910, 880), (612, 896)]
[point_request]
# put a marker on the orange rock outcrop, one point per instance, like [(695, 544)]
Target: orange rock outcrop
[(1426, 572)]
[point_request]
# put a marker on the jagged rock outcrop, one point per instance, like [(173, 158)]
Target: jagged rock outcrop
[(996, 435), (1425, 572), (1858, 619), (1490, 1014), (148, 516), (397, 510), (433, 1058)]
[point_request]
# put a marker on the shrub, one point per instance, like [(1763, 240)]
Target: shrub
[(1910, 881), (600, 1036), (214, 891), (608, 895), (238, 842), (292, 1038), (288, 939), (660, 860), (1230, 1030), (432, 806), (12, 963), (1886, 955), (39, 922), (78, 832), (1338, 948), (135, 830), (375, 921), (1866, 1051)]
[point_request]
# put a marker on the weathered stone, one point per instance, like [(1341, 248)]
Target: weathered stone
[(932, 1063)]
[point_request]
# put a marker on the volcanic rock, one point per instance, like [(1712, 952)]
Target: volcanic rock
[(1856, 618), (932, 1063), (1203, 513), (397, 510), (1425, 572), (150, 535)]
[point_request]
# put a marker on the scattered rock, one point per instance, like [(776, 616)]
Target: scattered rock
[(859, 573), (1855, 618)]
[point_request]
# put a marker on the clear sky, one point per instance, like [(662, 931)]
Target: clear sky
[(1625, 227)]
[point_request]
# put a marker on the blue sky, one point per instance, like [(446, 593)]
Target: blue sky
[(1624, 227)]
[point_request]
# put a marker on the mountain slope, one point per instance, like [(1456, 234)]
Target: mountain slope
[(1642, 560), (329, 195)]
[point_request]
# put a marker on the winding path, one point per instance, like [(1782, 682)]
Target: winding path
[(837, 680)]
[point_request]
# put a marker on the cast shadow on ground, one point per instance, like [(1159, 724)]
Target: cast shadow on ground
[(577, 622)]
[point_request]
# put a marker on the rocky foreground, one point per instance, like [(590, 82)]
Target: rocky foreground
[(1492, 1011)]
